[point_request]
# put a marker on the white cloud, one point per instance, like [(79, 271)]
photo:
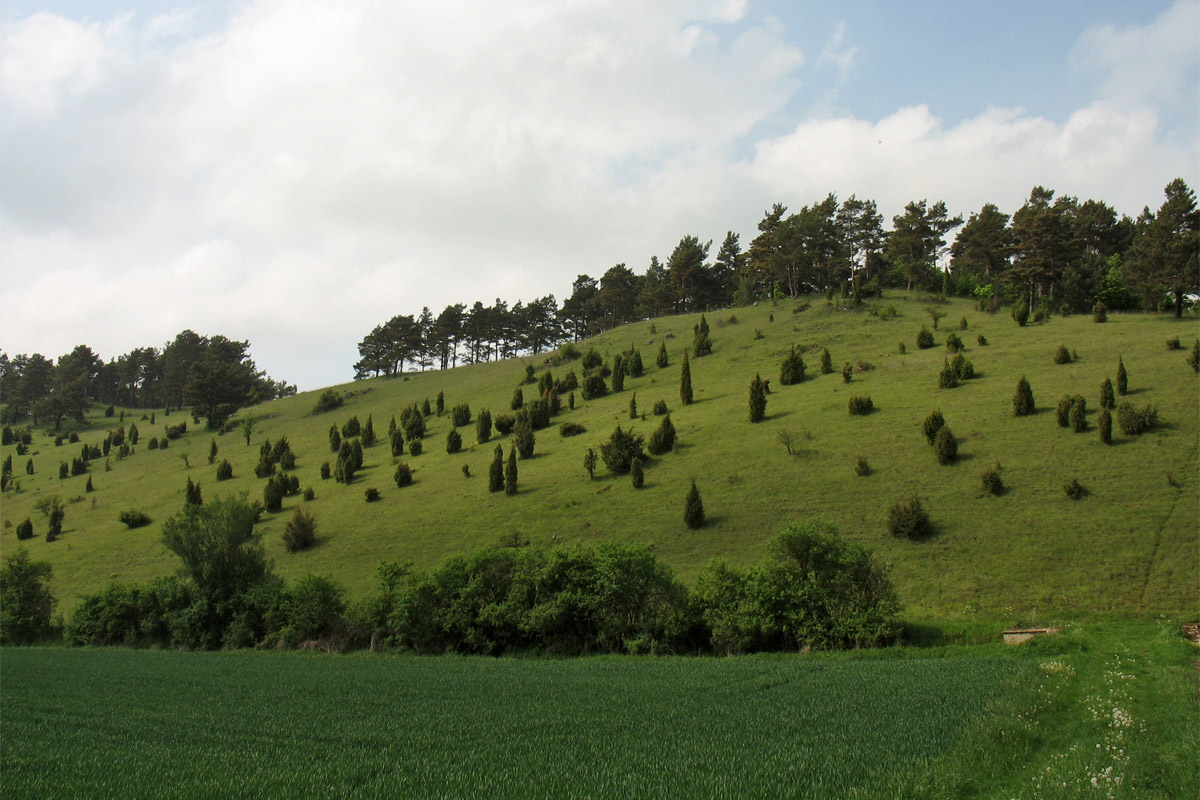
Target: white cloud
[(310, 168)]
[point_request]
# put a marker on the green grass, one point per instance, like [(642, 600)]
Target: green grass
[(1075, 715), (1028, 556), (165, 724)]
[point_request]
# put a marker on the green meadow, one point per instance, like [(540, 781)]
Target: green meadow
[(1030, 555), (1094, 712)]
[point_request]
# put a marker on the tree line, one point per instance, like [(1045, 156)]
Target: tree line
[(213, 375), (812, 589), (1054, 251)]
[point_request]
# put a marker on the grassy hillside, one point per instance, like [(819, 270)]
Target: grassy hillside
[(1027, 556)]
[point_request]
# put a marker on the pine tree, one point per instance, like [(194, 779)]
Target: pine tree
[(758, 399), (701, 344), (792, 370), (368, 432), (335, 439), (945, 446), (441, 403), (518, 399), (826, 363), (391, 427), (633, 406), (192, 496), (397, 440), (425, 409), (496, 470), (212, 452), (510, 473), (523, 435), (618, 374), (483, 426), (685, 381), (1122, 378), (636, 474), (403, 475), (662, 361), (1023, 400), (90, 488), (663, 438), (635, 367), (29, 468), (453, 441), (1107, 399), (1104, 423), (693, 509), (589, 463)]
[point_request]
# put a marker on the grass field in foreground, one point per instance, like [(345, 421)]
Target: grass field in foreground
[(1107, 713)]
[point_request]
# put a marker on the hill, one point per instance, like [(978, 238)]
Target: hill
[(1029, 555)]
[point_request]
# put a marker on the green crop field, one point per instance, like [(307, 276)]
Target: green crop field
[(1028, 556), (1105, 714)]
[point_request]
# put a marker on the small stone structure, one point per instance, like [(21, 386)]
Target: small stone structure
[(1017, 636)]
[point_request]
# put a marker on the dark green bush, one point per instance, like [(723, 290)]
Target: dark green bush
[(621, 448), (1122, 378), (300, 532), (134, 518), (1075, 490), (571, 429), (496, 470), (335, 439), (953, 343), (310, 494), (460, 415), (847, 372), (415, 448), (1104, 423), (372, 495), (1173, 343), (685, 381), (758, 399), (945, 446), (982, 340), (403, 475), (1099, 312), (932, 424), (962, 324), (862, 467), (861, 405), (594, 386), (224, 470), (25, 529), (992, 483), (618, 374), (701, 343), (660, 408), (693, 508), (1079, 414), (947, 378), (663, 438), (908, 519), (1020, 313), (662, 362), (397, 443), (453, 441), (510, 473), (1193, 358), (352, 428), (792, 370), (636, 474), (329, 400), (325, 473), (591, 360), (368, 439), (1063, 412), (924, 338), (964, 370), (483, 426), (523, 435), (273, 496), (1107, 398), (1023, 399), (1134, 421), (589, 463), (504, 424), (1062, 355), (826, 363)]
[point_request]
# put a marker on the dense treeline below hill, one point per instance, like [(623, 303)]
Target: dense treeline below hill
[(1030, 554)]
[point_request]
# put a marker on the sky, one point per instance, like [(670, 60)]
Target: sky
[(294, 173)]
